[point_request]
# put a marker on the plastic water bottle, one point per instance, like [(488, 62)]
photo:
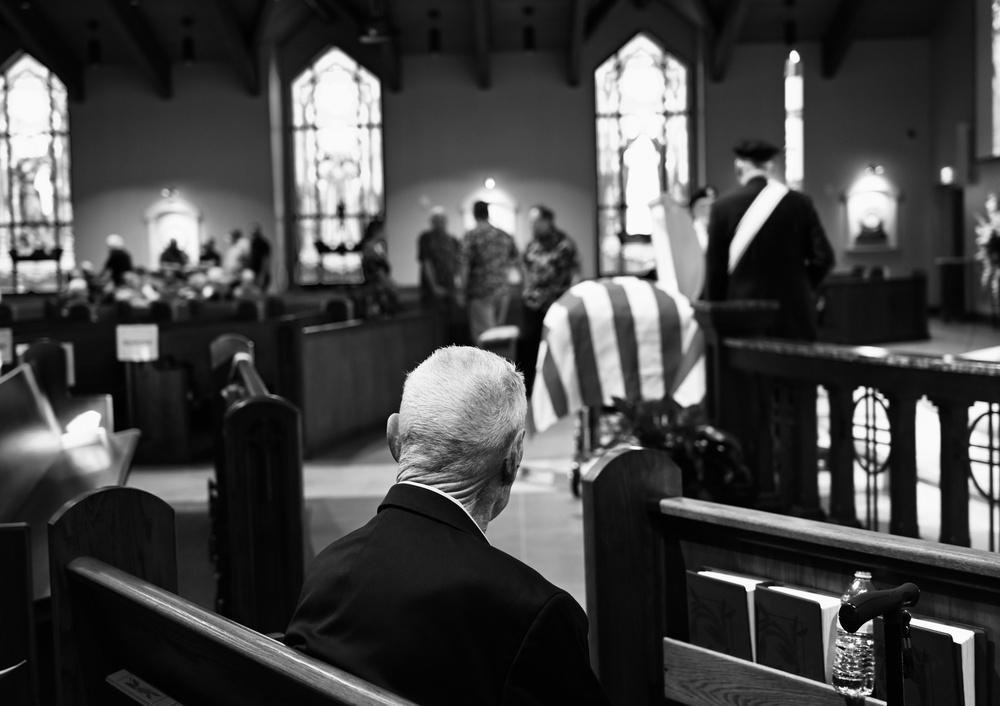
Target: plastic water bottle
[(854, 664)]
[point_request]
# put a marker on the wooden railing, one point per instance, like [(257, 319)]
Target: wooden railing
[(641, 537), (256, 497), (765, 391)]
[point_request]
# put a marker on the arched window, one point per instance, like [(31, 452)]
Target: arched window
[(642, 144), (337, 126), (36, 213), (794, 124)]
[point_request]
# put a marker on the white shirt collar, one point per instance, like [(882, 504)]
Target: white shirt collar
[(441, 492)]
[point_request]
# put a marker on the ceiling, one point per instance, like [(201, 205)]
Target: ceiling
[(158, 36)]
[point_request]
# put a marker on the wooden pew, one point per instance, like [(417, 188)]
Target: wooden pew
[(18, 653), (640, 536), (257, 500), (113, 558)]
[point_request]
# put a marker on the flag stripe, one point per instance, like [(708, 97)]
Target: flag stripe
[(647, 333), (670, 345), (555, 394), (588, 379), (600, 316), (561, 348), (628, 347)]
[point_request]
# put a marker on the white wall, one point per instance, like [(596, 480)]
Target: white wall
[(210, 141)]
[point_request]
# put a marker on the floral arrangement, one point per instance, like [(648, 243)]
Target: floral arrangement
[(988, 246)]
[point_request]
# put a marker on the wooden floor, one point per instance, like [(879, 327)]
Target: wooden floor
[(542, 525)]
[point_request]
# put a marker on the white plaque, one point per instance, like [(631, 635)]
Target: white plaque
[(138, 343)]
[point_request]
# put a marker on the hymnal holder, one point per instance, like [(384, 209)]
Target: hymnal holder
[(888, 603)]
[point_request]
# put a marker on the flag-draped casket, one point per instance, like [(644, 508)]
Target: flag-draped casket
[(620, 337)]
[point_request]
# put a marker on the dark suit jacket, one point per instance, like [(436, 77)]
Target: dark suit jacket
[(786, 260), (418, 602)]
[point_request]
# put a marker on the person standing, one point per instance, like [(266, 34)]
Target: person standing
[(440, 256), (489, 260), (260, 257), (119, 261), (765, 241), (551, 265)]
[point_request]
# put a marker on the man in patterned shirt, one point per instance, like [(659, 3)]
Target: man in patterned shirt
[(551, 265), (489, 261)]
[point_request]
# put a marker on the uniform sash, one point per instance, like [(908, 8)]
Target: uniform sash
[(760, 210)]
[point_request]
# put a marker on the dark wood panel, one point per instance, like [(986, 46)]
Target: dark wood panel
[(352, 374), (864, 311)]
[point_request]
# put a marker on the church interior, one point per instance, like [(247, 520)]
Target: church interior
[(254, 411)]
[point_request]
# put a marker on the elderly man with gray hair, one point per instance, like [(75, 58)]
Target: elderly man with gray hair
[(417, 601)]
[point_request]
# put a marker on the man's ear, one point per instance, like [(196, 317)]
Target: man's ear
[(513, 460), (392, 435)]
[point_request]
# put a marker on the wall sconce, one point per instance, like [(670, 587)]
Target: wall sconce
[(490, 183), (872, 204), (947, 176), (187, 42)]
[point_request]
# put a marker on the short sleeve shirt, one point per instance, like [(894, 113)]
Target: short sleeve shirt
[(550, 262), (490, 253), (444, 252)]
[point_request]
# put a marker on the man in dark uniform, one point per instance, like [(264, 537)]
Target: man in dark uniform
[(765, 241)]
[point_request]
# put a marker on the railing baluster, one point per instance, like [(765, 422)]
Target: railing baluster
[(954, 481), (803, 457), (903, 464), (842, 492)]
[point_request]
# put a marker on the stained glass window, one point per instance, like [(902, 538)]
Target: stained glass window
[(642, 147), (337, 126), (995, 53), (794, 125), (36, 213)]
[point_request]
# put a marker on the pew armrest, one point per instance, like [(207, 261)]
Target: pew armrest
[(696, 676)]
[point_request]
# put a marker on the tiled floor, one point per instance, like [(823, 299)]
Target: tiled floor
[(542, 525)]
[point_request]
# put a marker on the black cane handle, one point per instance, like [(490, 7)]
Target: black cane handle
[(858, 610)]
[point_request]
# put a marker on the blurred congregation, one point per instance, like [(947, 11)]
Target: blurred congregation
[(699, 283)]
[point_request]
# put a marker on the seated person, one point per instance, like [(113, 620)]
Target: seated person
[(208, 256), (417, 601), (247, 287), (173, 257)]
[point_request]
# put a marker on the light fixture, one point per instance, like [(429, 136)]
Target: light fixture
[(489, 183), (187, 42), (947, 175)]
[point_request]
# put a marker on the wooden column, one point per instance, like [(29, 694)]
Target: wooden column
[(954, 481), (903, 465), (842, 504)]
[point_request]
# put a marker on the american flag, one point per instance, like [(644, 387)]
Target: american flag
[(620, 337)]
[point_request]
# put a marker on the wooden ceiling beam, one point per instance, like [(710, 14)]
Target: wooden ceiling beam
[(840, 35), (145, 45), (481, 37), (242, 50), (728, 35), (35, 34), (574, 58), (694, 11)]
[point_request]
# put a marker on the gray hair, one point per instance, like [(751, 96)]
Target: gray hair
[(462, 409)]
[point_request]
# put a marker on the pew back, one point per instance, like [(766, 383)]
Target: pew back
[(108, 619), (257, 508), (18, 653), (641, 536)]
